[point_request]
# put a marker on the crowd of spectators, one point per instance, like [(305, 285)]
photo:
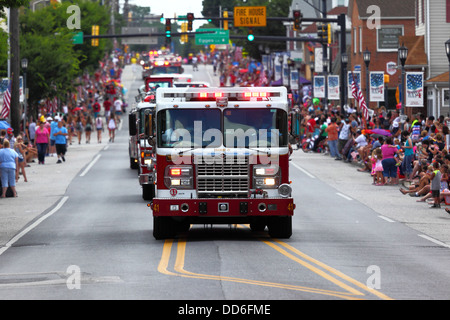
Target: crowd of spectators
[(55, 129), (393, 149)]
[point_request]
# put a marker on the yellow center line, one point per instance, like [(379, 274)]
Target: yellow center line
[(179, 267), (334, 271)]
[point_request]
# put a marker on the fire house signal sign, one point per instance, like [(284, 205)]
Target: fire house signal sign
[(250, 17)]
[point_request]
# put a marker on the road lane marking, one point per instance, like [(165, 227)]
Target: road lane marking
[(303, 170), (344, 196), (179, 267), (434, 241), (17, 237), (351, 294), (386, 218), (334, 271), (90, 165)]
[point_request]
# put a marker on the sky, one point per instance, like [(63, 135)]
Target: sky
[(172, 7)]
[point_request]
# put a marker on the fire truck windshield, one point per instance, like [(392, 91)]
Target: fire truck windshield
[(244, 128), (189, 128), (152, 86), (167, 69)]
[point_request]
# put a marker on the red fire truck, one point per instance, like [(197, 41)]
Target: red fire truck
[(141, 146), (222, 158)]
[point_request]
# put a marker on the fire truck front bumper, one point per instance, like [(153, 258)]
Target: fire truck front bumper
[(223, 207), (145, 179)]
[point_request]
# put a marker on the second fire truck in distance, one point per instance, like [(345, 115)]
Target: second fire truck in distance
[(222, 158)]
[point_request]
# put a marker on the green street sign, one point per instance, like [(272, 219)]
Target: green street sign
[(218, 37), (77, 37)]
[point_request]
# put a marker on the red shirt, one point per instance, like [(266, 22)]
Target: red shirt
[(107, 105)]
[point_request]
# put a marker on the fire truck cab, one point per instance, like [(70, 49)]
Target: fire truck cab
[(141, 146), (223, 158)]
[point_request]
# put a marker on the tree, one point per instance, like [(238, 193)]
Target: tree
[(54, 62)]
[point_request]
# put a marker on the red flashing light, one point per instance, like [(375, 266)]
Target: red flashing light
[(218, 95), (175, 172), (203, 95)]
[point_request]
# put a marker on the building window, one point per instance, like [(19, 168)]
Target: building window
[(387, 38), (448, 11), (360, 40), (355, 40)]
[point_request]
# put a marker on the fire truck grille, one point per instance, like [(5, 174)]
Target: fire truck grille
[(220, 176)]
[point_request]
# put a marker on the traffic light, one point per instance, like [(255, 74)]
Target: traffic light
[(329, 33), (250, 36), (168, 31), (184, 37), (95, 30), (190, 18), (225, 21), (297, 19), (322, 32)]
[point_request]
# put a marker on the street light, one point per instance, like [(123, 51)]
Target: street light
[(290, 63), (447, 50), (402, 55), (366, 57), (280, 61), (24, 64), (298, 65), (344, 62), (325, 74)]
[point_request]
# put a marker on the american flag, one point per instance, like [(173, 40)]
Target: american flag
[(358, 96), (6, 102)]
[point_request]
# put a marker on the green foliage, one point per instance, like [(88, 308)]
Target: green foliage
[(52, 64), (53, 59), (3, 53)]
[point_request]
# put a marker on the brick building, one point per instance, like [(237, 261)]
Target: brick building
[(379, 27)]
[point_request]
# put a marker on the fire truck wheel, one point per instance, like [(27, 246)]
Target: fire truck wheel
[(280, 227), (148, 191), (164, 228)]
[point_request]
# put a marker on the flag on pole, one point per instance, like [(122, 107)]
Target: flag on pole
[(6, 102), (358, 96)]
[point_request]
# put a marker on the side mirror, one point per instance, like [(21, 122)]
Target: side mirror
[(132, 124)]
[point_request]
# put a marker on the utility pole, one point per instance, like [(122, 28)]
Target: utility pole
[(344, 86), (325, 56), (15, 111)]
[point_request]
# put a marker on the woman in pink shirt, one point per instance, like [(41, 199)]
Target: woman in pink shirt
[(389, 162), (42, 138)]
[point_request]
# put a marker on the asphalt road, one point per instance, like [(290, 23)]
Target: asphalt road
[(351, 240)]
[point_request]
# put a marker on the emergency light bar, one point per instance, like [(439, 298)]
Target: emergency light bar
[(232, 94)]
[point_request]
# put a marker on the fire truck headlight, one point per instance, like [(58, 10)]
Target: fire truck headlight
[(179, 177), (285, 190), (261, 170), (267, 177), (148, 162)]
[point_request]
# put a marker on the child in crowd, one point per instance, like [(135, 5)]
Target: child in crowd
[(377, 167), (435, 185)]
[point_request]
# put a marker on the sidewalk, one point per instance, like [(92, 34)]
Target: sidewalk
[(48, 183), (388, 201)]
